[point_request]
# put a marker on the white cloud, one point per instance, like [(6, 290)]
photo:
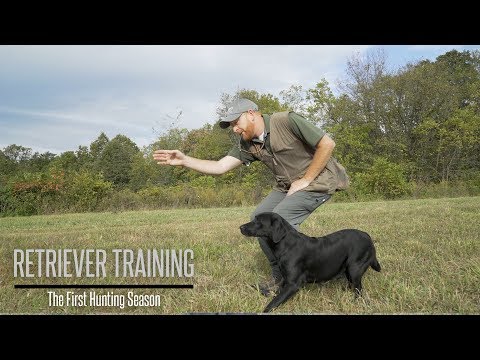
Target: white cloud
[(67, 95)]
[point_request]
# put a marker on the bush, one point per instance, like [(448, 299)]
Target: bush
[(32, 193), (203, 182), (122, 200), (384, 179), (20, 203), (442, 189), (84, 190)]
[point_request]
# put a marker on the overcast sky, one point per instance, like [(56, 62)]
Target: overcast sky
[(55, 98)]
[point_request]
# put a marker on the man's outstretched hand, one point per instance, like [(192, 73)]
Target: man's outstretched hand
[(169, 157)]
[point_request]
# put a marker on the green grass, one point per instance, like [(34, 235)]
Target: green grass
[(429, 251)]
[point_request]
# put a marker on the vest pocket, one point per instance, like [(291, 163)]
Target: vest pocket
[(341, 179), (283, 182), (325, 182)]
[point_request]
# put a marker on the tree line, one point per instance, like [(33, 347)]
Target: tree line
[(411, 132)]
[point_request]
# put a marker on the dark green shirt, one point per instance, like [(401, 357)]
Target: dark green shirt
[(303, 129)]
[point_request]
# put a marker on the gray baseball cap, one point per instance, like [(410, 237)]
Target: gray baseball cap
[(235, 109)]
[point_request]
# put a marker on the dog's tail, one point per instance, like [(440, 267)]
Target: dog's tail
[(375, 265)]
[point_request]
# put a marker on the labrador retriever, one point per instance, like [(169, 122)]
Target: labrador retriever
[(305, 259)]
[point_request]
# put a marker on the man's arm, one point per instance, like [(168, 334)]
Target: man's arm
[(210, 167), (322, 154)]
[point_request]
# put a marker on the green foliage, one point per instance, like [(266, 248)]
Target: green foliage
[(414, 132), (450, 146), (67, 161), (122, 200), (7, 207), (194, 196), (166, 175), (267, 103), (383, 178), (320, 103), (442, 189), (84, 190), (353, 147), (142, 172), (294, 99), (30, 193), (97, 146), (84, 158), (116, 160), (173, 139), (314, 104), (203, 182), (257, 175), (209, 142), (7, 166), (17, 153)]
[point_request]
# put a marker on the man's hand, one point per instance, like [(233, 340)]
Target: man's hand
[(298, 185), (169, 157), (322, 154)]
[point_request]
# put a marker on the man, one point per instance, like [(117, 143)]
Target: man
[(297, 152)]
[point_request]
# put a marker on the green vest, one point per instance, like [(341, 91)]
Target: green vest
[(291, 157)]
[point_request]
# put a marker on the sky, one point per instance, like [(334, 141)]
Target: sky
[(57, 97)]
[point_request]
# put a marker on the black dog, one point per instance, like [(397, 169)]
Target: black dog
[(304, 259)]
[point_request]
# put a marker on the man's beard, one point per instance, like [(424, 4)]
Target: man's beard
[(247, 134)]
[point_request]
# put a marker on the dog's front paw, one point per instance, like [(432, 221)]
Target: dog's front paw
[(269, 289), (265, 291), (268, 309)]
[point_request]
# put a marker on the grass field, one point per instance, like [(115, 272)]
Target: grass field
[(429, 251)]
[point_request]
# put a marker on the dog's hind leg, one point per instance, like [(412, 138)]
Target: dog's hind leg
[(285, 293), (357, 285), (354, 275), (349, 278)]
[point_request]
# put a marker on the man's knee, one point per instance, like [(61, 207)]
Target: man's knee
[(284, 215), (256, 212), (288, 217)]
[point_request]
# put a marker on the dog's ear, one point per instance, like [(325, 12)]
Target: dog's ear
[(279, 228)]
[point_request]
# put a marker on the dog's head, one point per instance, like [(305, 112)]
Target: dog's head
[(268, 224)]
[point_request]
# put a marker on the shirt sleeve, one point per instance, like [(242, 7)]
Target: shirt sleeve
[(305, 130), (244, 157)]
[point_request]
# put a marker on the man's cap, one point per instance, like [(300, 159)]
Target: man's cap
[(235, 109)]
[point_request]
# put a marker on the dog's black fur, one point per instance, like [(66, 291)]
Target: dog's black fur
[(304, 259)]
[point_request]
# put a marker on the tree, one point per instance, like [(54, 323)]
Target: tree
[(172, 139), (143, 172), (461, 72), (320, 103), (7, 165), (267, 103), (97, 146), (84, 158), (40, 162), (116, 160), (17, 153), (450, 147), (66, 161), (294, 99)]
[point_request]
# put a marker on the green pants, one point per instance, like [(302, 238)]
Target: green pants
[(294, 208)]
